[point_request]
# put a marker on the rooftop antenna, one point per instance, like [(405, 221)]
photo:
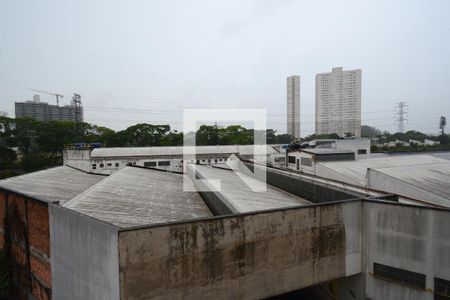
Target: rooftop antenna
[(48, 93), (401, 113)]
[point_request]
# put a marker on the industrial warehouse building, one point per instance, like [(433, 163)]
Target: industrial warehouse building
[(135, 234)]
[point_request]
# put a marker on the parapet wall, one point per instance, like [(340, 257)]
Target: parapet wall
[(84, 256), (78, 159), (411, 239), (241, 257), (306, 188), (256, 255)]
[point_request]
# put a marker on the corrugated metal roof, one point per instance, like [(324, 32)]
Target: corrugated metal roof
[(433, 178), (158, 151), (55, 184), (240, 195), (137, 196), (355, 171)]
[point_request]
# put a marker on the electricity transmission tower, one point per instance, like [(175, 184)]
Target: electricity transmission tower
[(401, 113), (76, 102)]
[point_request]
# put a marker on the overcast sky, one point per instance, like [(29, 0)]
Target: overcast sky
[(144, 61)]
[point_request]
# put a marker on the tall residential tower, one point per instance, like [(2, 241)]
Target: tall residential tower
[(338, 102), (293, 106)]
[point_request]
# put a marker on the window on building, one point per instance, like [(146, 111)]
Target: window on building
[(412, 279), (441, 289), (109, 164), (291, 159), (150, 164), (163, 163), (117, 165), (102, 165), (306, 161), (280, 159), (362, 151), (94, 167)]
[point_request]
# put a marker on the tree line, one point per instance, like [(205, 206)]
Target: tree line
[(40, 144), (27, 144)]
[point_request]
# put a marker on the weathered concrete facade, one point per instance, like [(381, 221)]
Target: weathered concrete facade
[(254, 255), (84, 256), (408, 238), (241, 257)]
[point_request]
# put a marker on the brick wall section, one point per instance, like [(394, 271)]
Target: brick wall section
[(28, 244)]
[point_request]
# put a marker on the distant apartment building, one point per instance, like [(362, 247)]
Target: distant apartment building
[(43, 111), (338, 102), (293, 106)]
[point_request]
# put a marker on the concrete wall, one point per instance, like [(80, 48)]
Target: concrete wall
[(25, 237), (242, 257), (78, 159), (354, 145), (84, 256), (306, 188), (415, 239)]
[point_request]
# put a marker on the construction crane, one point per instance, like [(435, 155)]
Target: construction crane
[(49, 93)]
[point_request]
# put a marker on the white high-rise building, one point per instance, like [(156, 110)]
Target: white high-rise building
[(338, 102), (293, 106)]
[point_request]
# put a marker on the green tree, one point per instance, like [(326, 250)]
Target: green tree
[(173, 138), (271, 136), (7, 157), (141, 135), (208, 135), (236, 135), (369, 132), (283, 139), (23, 134), (53, 135)]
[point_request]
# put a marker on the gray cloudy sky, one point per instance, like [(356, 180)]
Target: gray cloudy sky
[(144, 61)]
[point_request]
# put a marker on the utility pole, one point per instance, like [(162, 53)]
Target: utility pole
[(401, 113)]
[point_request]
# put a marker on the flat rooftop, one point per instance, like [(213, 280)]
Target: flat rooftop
[(137, 196), (242, 197), (52, 185)]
